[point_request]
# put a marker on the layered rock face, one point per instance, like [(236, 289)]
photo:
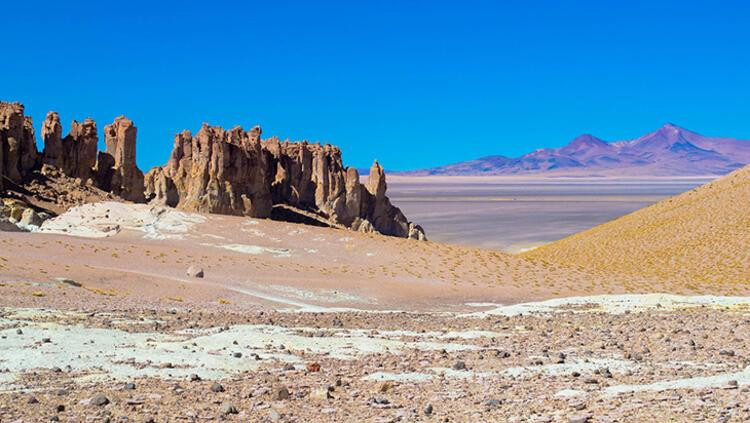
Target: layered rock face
[(116, 169), (74, 156), (215, 171), (234, 172), (18, 155)]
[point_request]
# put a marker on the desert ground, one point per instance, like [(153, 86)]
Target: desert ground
[(105, 318)]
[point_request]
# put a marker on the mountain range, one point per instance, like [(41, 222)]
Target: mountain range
[(668, 151)]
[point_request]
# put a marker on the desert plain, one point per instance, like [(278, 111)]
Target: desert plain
[(126, 312)]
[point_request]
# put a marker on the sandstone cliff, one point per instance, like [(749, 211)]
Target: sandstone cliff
[(235, 172), (18, 155), (215, 171), (74, 156)]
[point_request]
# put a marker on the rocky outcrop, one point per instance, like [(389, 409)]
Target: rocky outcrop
[(75, 156), (53, 153), (234, 172), (116, 169), (215, 171), (18, 155)]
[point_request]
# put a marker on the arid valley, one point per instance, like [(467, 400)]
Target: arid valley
[(296, 305), (375, 212)]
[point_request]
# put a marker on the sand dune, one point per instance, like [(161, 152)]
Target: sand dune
[(697, 240)]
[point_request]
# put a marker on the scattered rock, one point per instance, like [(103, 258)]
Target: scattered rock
[(99, 400), (313, 367), (216, 387), (195, 272), (68, 281), (228, 409), (280, 393)]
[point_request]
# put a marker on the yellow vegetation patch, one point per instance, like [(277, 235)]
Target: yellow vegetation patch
[(101, 291)]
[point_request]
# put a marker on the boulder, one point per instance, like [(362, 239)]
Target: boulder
[(30, 218), (195, 272)]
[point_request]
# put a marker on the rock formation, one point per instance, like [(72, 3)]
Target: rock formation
[(116, 169), (234, 172), (18, 155), (53, 154), (74, 156), (216, 171)]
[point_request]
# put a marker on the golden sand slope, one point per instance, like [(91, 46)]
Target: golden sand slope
[(699, 240)]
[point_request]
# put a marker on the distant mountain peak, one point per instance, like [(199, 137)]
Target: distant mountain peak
[(670, 150), (587, 140)]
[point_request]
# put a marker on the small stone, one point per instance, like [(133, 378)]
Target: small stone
[(459, 365), (492, 404), (99, 400), (19, 332), (237, 355), (321, 394), (130, 386), (580, 419), (280, 393), (46, 340), (313, 367), (578, 405), (216, 387), (70, 282), (274, 415), (428, 409), (32, 400), (380, 401), (288, 367), (195, 378), (195, 272), (228, 409), (60, 408)]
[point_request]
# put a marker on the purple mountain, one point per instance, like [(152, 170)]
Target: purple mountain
[(668, 151)]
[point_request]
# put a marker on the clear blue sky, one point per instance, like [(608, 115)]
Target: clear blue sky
[(413, 84)]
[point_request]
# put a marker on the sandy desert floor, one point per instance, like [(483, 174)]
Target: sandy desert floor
[(100, 322)]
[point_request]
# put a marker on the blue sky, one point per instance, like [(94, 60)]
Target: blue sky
[(413, 84)]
